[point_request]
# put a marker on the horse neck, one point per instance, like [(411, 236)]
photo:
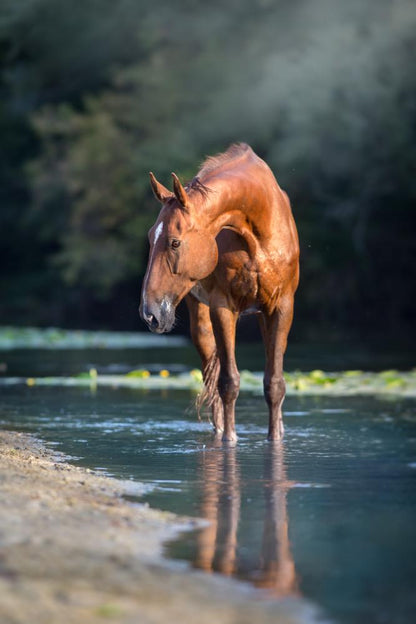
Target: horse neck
[(227, 207)]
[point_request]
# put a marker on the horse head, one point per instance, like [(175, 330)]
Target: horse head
[(182, 252)]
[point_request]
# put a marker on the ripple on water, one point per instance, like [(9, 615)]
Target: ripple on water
[(338, 503), (311, 485)]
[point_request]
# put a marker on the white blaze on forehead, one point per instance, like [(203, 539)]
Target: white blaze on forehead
[(158, 232)]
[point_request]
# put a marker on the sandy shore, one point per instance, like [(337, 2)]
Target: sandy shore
[(73, 550)]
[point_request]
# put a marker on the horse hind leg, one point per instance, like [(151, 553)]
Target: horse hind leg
[(275, 329), (274, 393), (210, 395)]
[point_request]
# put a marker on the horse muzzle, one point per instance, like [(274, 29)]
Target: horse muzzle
[(159, 317)]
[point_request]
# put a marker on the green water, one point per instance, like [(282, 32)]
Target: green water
[(330, 515)]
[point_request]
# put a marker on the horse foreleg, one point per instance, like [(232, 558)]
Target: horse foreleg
[(275, 329), (224, 325), (203, 338)]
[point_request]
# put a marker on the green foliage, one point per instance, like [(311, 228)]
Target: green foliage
[(96, 94)]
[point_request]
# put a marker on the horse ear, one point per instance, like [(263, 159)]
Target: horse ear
[(161, 192), (179, 191)]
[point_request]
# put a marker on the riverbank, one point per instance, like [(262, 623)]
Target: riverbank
[(72, 550)]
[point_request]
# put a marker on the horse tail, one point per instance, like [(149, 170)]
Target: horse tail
[(209, 393)]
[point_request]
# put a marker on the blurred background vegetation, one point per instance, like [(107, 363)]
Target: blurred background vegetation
[(95, 93)]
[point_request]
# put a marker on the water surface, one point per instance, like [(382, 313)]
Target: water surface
[(350, 355), (328, 515)]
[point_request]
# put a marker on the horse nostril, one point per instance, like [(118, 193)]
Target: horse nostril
[(148, 317), (153, 317), (153, 322)]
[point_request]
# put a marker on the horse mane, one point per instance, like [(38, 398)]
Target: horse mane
[(235, 151), (196, 185), (210, 164)]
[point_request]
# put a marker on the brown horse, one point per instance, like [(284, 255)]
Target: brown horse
[(226, 242)]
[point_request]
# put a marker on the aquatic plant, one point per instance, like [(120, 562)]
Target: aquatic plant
[(316, 382)]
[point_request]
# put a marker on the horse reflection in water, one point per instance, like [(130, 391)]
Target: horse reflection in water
[(217, 544)]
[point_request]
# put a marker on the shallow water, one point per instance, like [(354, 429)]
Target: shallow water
[(328, 515)]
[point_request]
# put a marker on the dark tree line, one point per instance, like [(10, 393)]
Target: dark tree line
[(96, 93)]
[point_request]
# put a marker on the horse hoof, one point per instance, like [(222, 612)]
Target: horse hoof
[(275, 437), (230, 439)]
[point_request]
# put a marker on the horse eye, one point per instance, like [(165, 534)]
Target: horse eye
[(175, 243)]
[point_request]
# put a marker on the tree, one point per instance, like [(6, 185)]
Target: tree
[(327, 98)]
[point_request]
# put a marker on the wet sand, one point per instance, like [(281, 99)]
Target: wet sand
[(73, 550)]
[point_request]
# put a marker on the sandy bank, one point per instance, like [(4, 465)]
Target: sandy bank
[(72, 550)]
